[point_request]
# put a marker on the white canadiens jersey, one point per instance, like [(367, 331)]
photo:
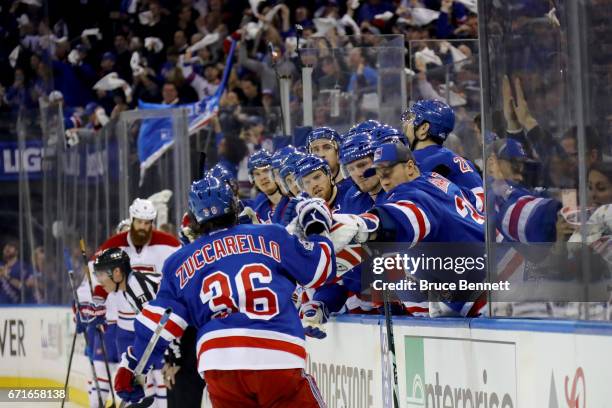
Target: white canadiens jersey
[(149, 260)]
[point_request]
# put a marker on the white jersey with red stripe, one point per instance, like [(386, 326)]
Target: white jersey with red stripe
[(149, 258), (235, 286)]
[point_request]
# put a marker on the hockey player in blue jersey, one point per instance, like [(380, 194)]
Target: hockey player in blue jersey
[(325, 142), (356, 156), (234, 284), (427, 124), (279, 156), (288, 172), (260, 174), (315, 178), (423, 207), (277, 161)]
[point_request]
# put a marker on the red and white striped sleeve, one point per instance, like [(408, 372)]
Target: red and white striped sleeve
[(413, 220), (150, 316), (312, 263)]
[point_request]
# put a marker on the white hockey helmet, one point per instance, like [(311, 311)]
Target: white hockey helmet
[(143, 210), (123, 225)]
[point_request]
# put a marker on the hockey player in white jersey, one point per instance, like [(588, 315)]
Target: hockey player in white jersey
[(114, 273), (147, 249)]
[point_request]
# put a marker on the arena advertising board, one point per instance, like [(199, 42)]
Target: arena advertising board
[(34, 349), (13, 160), (347, 365), (485, 363)]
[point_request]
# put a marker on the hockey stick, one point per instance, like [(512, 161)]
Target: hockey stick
[(391, 345), (149, 350), (75, 297), (98, 329), (390, 339), (69, 368)]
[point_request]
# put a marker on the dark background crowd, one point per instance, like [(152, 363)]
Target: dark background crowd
[(174, 52), (99, 58)]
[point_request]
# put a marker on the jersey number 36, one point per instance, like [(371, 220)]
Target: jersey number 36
[(253, 300)]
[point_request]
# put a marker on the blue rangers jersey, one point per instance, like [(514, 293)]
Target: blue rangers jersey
[(346, 292), (357, 202), (278, 215), (235, 286), (432, 209), (342, 189), (436, 158), (524, 216), (263, 207)]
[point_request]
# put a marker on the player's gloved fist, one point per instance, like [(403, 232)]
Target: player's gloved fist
[(248, 216), (313, 315), (125, 383), (314, 217), (99, 313), (290, 210), (81, 322)]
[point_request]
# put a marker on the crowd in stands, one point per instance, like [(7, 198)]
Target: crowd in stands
[(173, 51), (100, 58)]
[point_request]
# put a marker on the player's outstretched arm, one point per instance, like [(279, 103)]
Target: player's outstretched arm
[(401, 220), (144, 326), (310, 262)]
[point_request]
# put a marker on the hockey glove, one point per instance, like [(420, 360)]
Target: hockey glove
[(173, 355), (290, 211), (314, 217), (81, 324), (126, 385), (313, 315), (248, 216)]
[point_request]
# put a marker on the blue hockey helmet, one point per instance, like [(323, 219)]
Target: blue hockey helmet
[(356, 147), (221, 172), (389, 134), (365, 126), (439, 115), (259, 159), (289, 164), (280, 155), (309, 164), (323, 133), (210, 198)]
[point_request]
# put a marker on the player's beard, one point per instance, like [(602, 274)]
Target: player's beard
[(140, 237)]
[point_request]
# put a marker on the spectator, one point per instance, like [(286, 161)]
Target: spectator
[(12, 274), (600, 184), (250, 95), (107, 64), (333, 77), (371, 8), (145, 88), (254, 134), (122, 59), (364, 77), (170, 95), (569, 143)]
